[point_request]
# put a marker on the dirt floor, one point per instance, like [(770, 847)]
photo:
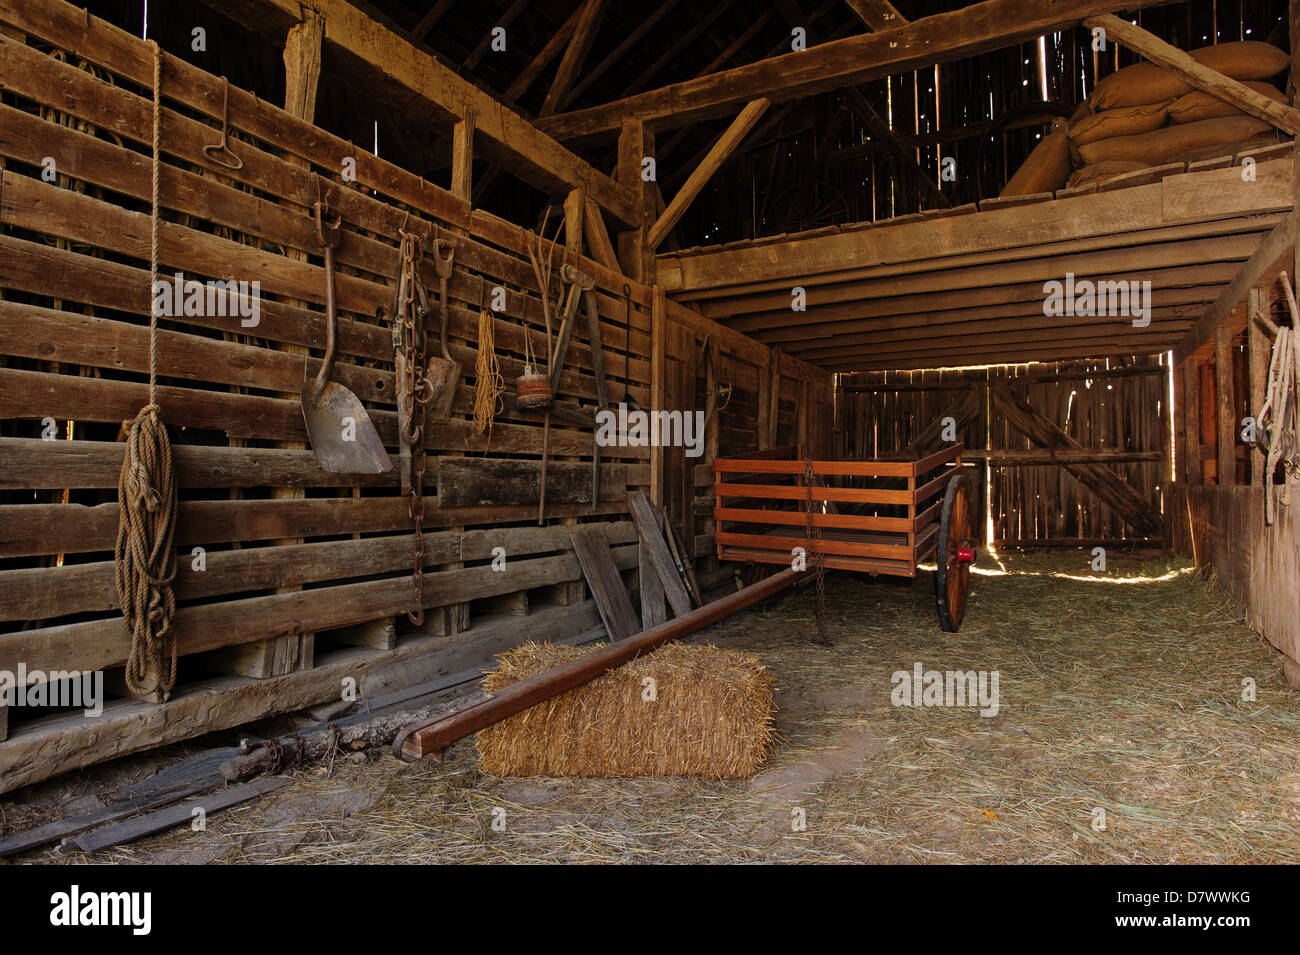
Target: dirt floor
[(1119, 691)]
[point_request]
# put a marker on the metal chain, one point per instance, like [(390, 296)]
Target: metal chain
[(813, 536), (414, 393)]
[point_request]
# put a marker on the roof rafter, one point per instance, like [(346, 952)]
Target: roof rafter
[(968, 31)]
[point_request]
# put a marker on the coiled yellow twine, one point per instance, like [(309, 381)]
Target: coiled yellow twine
[(490, 385)]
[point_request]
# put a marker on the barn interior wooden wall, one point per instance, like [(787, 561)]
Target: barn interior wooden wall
[(294, 578)]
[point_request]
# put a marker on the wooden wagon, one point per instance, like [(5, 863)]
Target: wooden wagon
[(876, 517)]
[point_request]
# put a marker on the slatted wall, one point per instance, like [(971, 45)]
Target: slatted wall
[(305, 575), (1117, 413)]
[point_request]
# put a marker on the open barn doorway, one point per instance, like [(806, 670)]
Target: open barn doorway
[(1061, 455)]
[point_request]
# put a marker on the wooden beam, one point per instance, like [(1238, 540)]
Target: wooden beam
[(974, 29), (1260, 265), (877, 14), (616, 54), (462, 157), (635, 145), (679, 45), (543, 58), (507, 138), (430, 19), (476, 55), (1191, 370), (575, 55), (727, 142), (1181, 64), (1176, 201), (597, 236), (1225, 417)]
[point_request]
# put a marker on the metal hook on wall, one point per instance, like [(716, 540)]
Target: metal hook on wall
[(212, 149)]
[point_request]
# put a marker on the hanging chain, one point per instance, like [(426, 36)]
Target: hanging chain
[(812, 538), (414, 394)]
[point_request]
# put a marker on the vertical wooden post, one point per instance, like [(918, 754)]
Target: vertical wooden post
[(462, 157), (1180, 423), (455, 618), (1192, 414), (1258, 349), (574, 213), (1225, 406), (635, 145), (772, 399), (302, 63), (658, 382), (1165, 425)]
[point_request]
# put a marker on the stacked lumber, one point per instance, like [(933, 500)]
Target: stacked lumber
[(1144, 116)]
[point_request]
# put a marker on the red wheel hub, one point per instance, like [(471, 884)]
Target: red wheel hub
[(965, 555)]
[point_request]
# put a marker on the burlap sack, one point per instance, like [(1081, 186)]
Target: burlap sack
[(1144, 83), (1101, 171), (1046, 168), (1161, 145), (1197, 105), (1126, 121)]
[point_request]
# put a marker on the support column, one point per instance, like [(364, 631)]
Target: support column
[(302, 63), (636, 144), (1225, 406), (1258, 350)]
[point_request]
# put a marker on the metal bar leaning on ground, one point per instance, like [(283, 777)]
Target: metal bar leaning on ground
[(433, 738)]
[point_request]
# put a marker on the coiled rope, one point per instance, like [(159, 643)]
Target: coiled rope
[(490, 386), (145, 554)]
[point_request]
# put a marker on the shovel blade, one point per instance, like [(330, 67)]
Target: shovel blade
[(342, 435), (443, 377)]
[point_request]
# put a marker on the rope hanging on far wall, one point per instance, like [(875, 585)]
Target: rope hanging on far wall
[(145, 554), (490, 385)]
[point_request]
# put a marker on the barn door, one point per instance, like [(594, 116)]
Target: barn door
[(1079, 455)]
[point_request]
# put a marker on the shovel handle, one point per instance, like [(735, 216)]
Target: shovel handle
[(443, 264), (329, 237)]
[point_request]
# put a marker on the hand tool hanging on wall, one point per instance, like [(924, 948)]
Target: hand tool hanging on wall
[(533, 388), (444, 372), (578, 283), (414, 392), (598, 368), (342, 435), (213, 150)]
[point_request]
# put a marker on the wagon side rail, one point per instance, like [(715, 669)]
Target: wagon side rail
[(761, 503)]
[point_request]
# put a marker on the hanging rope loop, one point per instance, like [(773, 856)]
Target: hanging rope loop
[(145, 552)]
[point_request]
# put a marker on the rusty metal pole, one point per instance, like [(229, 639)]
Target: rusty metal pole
[(433, 738)]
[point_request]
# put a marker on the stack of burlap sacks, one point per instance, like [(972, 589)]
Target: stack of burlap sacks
[(1143, 116)]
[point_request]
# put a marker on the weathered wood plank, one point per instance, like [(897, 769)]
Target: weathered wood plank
[(653, 540), (471, 482), (101, 644), (599, 567)]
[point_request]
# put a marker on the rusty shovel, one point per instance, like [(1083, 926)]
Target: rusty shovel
[(342, 435)]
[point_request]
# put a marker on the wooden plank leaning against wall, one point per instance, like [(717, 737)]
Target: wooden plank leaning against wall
[(86, 308)]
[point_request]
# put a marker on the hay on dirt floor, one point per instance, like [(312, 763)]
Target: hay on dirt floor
[(711, 716)]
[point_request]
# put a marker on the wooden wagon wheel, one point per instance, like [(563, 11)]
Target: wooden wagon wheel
[(954, 555)]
